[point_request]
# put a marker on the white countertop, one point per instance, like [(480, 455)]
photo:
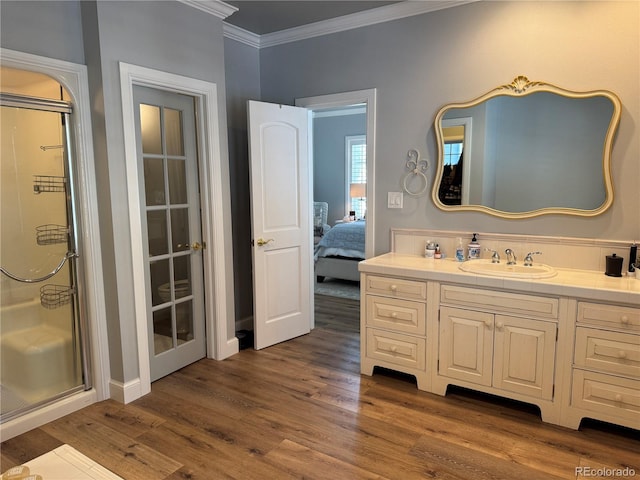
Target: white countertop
[(586, 284)]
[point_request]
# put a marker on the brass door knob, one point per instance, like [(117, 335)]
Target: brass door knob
[(261, 241)]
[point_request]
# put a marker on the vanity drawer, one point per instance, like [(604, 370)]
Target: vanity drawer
[(613, 316), (395, 287), (606, 394), (611, 352), (396, 314), (395, 348), (501, 302)]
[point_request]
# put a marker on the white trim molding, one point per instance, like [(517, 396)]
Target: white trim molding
[(365, 18), (74, 78), (125, 392), (216, 8), (241, 35), (218, 309)]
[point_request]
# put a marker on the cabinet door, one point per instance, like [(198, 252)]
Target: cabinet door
[(466, 345), (524, 356)]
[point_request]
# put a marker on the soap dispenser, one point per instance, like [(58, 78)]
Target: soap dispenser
[(474, 248)]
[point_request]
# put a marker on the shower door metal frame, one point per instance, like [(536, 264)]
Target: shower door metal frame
[(75, 270)]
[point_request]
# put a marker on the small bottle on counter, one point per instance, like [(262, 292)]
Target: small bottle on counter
[(438, 253), (460, 250), (430, 249)]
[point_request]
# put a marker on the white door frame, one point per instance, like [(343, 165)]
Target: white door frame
[(367, 97), (217, 306), (74, 78)]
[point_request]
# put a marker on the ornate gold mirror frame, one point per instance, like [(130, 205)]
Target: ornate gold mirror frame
[(483, 174)]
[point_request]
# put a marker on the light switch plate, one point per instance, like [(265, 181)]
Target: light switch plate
[(394, 199)]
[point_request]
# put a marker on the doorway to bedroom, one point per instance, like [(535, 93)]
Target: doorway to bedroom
[(339, 194), (342, 156)]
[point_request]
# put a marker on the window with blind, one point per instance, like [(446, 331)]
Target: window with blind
[(356, 154)]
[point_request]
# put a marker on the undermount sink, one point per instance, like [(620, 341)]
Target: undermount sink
[(486, 267)]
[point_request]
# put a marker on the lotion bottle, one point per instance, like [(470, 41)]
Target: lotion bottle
[(460, 250)]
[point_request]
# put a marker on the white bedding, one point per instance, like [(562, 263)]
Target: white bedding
[(343, 240)]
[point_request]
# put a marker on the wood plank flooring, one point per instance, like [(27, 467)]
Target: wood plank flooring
[(301, 410)]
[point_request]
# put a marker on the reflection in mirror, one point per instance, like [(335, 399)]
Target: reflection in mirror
[(527, 149), (454, 187)]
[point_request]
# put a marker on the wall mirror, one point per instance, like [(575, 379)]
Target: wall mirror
[(527, 149)]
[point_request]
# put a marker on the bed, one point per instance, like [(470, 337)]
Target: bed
[(339, 251)]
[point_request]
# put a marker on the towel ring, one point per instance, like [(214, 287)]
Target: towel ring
[(416, 167)]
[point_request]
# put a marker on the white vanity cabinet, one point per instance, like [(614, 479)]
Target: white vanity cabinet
[(393, 326), (508, 353), (569, 344), (499, 342), (605, 382)]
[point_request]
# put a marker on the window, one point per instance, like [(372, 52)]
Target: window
[(452, 152), (356, 153)]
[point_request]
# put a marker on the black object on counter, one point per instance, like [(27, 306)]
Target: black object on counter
[(614, 266), (633, 256)]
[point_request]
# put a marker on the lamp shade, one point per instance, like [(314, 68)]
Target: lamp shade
[(358, 190)]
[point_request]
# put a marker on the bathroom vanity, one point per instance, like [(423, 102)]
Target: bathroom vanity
[(569, 343)]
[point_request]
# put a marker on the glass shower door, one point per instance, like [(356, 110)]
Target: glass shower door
[(40, 343)]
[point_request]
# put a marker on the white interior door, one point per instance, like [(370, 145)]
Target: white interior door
[(168, 172), (281, 222)]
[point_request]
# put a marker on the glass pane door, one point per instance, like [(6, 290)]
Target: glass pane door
[(169, 167), (167, 226)]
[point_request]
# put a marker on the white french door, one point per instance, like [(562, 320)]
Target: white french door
[(168, 171), (281, 222)]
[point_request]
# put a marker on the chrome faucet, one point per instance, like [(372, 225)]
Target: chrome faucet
[(495, 257), (528, 260), (511, 257)]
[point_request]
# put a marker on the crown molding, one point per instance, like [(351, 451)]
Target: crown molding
[(340, 24), (217, 8), (241, 35)]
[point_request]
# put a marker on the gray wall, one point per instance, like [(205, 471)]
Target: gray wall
[(242, 70), (420, 63), (329, 160), (49, 28)]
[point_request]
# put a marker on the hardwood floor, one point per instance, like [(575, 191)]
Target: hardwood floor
[(300, 409)]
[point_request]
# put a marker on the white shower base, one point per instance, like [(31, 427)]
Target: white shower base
[(36, 355), (37, 362)]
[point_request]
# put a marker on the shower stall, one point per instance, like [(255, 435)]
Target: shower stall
[(43, 342)]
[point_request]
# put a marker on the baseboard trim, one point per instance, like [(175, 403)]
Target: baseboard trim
[(125, 392)]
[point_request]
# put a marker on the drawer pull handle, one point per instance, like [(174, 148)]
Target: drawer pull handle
[(618, 398), (393, 349), (394, 315), (622, 354), (488, 323), (499, 325), (624, 319), (393, 288)]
